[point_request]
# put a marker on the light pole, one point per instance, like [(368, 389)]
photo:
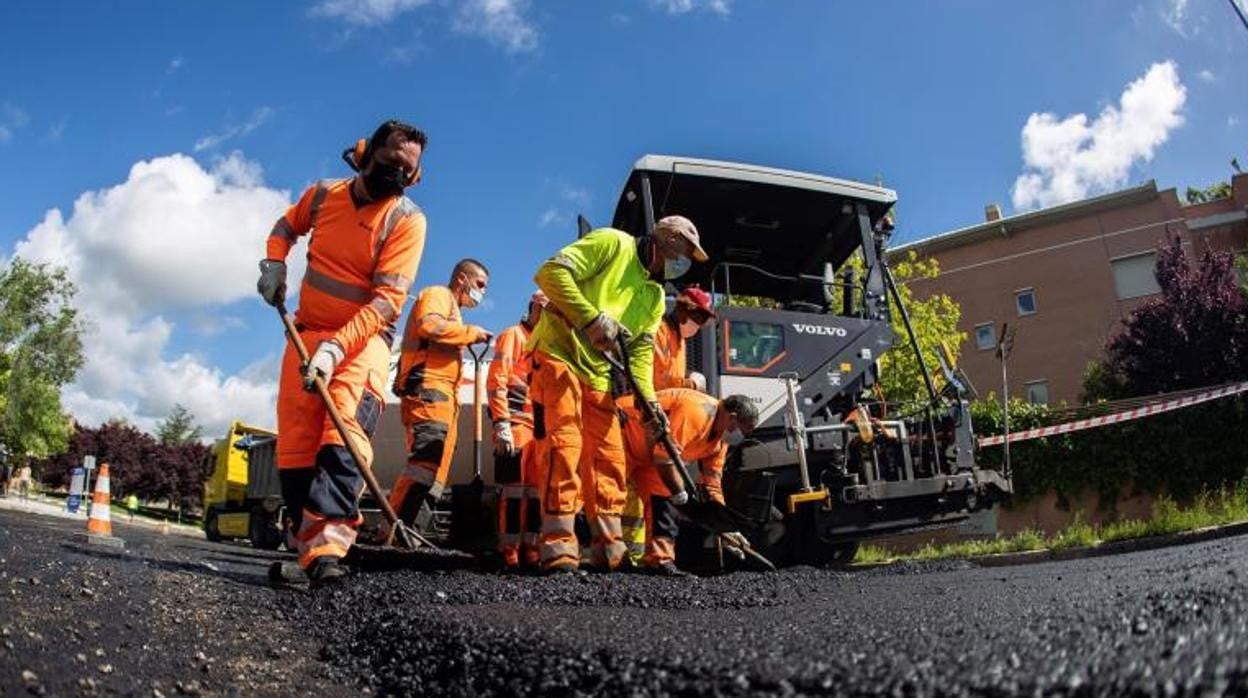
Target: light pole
[(1004, 345)]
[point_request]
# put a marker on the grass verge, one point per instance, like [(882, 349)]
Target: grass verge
[(1208, 509)]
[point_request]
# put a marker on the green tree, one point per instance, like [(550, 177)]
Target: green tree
[(935, 321), (40, 352), (179, 428), (1221, 190)]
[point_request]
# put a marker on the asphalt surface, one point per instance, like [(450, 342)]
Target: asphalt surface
[(1169, 621)]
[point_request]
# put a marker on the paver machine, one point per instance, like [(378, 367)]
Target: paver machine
[(801, 331)]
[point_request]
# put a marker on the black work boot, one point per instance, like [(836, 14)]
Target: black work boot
[(667, 569), (325, 571), (285, 572)]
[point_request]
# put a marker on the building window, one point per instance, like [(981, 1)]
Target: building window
[(1134, 275), (1037, 392), (1025, 301), (985, 336)]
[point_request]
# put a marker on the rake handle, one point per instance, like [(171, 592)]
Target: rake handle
[(366, 471)]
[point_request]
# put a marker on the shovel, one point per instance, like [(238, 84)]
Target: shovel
[(704, 512), (407, 537), (472, 527)]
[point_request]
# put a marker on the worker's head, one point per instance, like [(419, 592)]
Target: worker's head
[(736, 418), (389, 162), (536, 302), (692, 310), (676, 247), (468, 282)]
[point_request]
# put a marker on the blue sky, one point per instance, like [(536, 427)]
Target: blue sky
[(168, 135)]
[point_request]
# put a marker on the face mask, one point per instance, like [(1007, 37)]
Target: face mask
[(676, 268), (476, 295), (688, 328), (385, 181), (733, 437)]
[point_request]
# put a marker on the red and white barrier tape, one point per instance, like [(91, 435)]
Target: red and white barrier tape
[(1118, 417)]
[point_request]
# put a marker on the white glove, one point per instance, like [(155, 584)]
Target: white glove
[(736, 539), (679, 499), (602, 332), (327, 357), (504, 442), (272, 283), (697, 381)]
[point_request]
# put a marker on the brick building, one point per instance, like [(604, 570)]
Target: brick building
[(1065, 277)]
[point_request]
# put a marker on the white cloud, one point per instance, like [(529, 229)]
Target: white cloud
[(1207, 75), (678, 7), (365, 13), (174, 65), (173, 236), (551, 216), (11, 119), (1174, 14), (57, 130), (501, 22), (1231, 121), (1072, 158), (258, 117)]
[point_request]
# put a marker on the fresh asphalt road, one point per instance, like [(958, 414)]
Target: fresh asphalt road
[(174, 616)]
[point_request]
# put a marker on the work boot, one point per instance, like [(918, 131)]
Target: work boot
[(283, 573), (667, 568), (561, 567), (325, 571)]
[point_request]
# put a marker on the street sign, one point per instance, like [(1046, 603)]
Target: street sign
[(88, 462), (77, 484)]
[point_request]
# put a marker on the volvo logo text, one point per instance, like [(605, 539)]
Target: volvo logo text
[(820, 329)]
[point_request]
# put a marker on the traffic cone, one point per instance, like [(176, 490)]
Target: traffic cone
[(99, 523)]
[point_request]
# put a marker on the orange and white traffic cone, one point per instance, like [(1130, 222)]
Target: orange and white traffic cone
[(99, 523)]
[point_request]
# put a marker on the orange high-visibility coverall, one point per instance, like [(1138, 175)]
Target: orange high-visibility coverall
[(361, 262), (691, 415), (519, 511), (580, 455), (669, 356), (430, 368)]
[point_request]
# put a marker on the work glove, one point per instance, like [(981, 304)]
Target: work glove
[(656, 423), (504, 442), (697, 381), (602, 333), (272, 283), (326, 358), (483, 335), (679, 499), (736, 539)]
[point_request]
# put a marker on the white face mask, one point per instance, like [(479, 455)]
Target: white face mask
[(676, 268), (688, 328), (476, 295), (734, 437)]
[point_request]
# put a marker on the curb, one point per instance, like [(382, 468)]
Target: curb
[(1118, 547)]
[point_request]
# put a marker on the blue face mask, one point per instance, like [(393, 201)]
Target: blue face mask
[(676, 268), (734, 437)]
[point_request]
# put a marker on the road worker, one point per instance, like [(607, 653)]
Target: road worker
[(604, 286), (689, 313), (427, 381), (702, 428), (367, 239), (519, 512)]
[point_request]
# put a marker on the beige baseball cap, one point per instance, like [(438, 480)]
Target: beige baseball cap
[(672, 226)]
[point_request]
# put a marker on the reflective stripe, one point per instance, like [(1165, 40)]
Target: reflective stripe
[(559, 523), (396, 280), (384, 308), (338, 289), (513, 491), (607, 525), (281, 229), (555, 550), (318, 198), (632, 522), (398, 212), (419, 474)]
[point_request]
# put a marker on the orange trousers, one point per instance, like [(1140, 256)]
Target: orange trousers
[(430, 420), (580, 459), (307, 440), (519, 510)]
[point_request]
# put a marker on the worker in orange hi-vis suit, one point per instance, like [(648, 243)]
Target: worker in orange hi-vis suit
[(603, 287), (430, 367), (519, 511), (366, 243), (702, 428), (689, 313)]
